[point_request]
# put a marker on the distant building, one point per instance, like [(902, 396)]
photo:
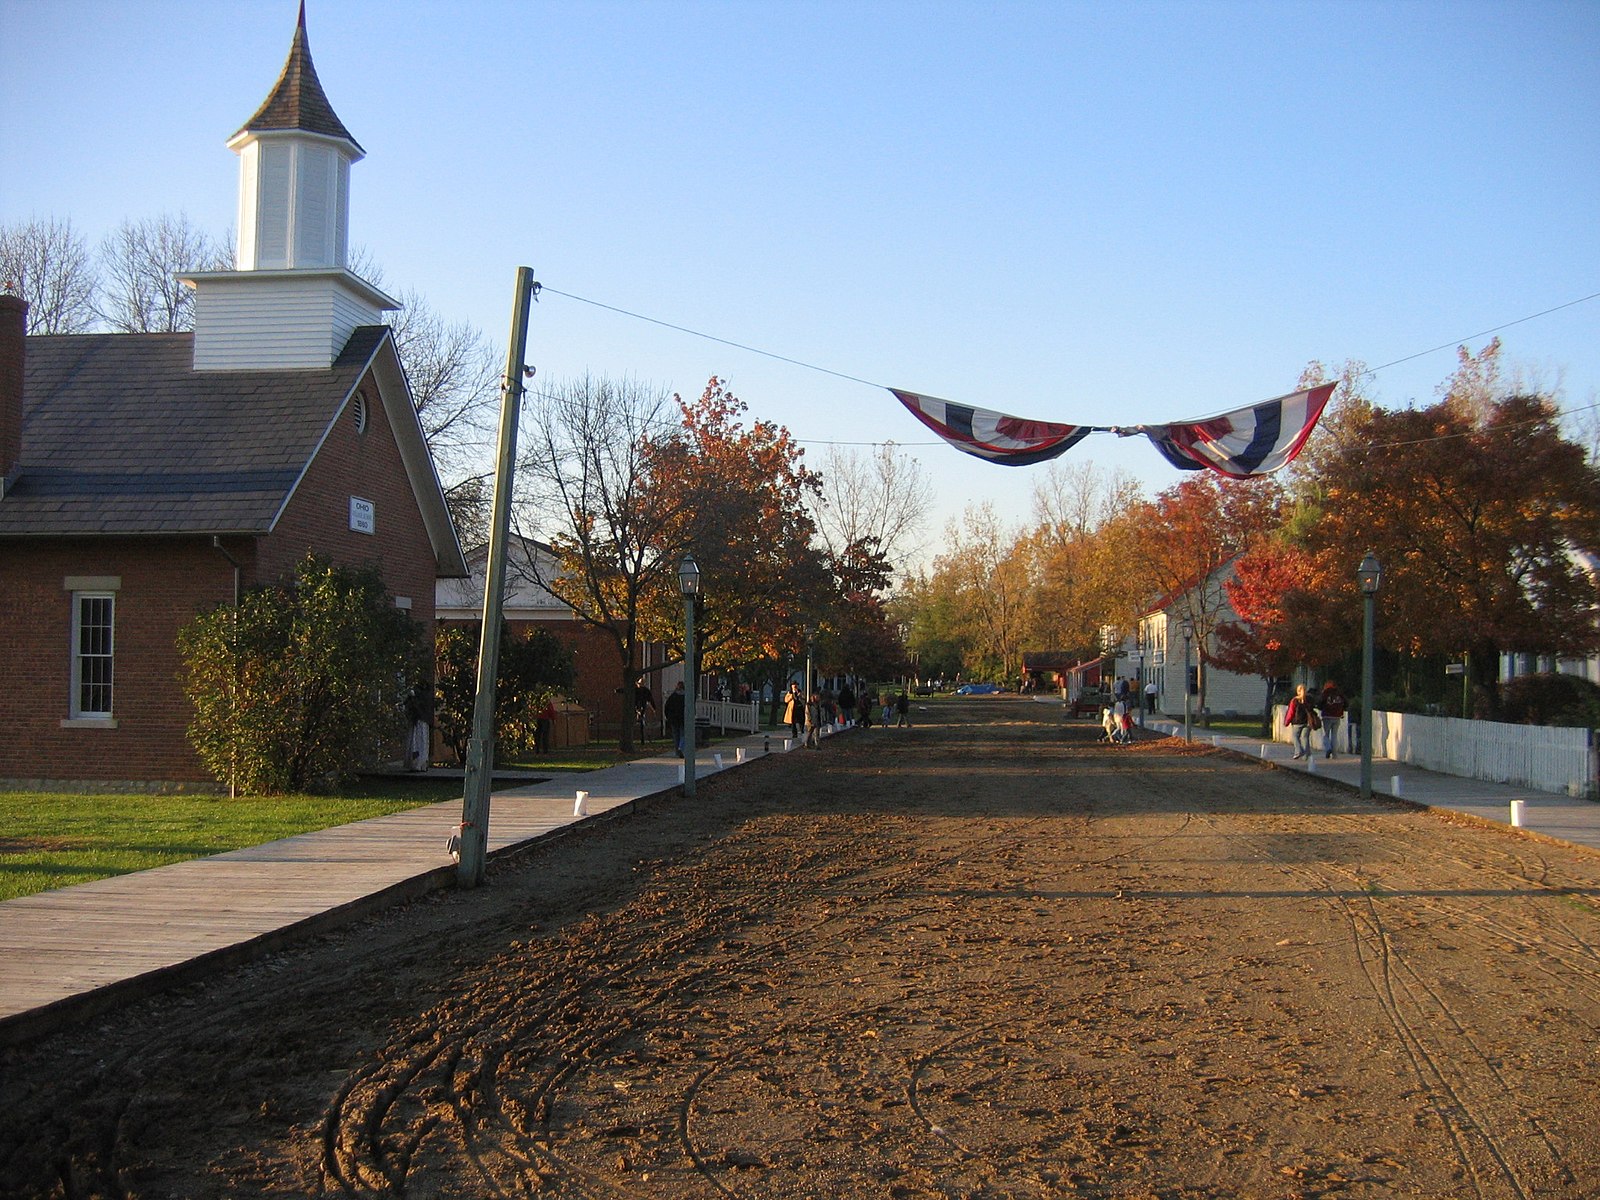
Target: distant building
[(1156, 652), (145, 478), (527, 606)]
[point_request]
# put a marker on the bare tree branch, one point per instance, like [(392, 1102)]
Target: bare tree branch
[(882, 499), (46, 263), (140, 262)]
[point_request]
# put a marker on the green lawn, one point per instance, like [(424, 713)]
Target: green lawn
[(49, 840)]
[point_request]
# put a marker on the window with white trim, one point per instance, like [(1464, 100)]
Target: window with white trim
[(93, 651)]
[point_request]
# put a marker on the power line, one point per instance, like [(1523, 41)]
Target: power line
[(1454, 342), (713, 338), (809, 366)]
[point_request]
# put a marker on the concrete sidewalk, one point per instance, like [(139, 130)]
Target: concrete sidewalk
[(69, 953), (1547, 813)]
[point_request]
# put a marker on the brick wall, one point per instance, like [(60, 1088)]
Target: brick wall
[(366, 465), (163, 584)]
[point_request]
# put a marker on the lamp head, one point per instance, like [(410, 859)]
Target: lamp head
[(1369, 573), (689, 576)]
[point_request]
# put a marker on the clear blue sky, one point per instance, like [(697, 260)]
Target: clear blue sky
[(1096, 213)]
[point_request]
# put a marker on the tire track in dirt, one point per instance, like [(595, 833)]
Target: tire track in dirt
[(984, 957), (1471, 1096)]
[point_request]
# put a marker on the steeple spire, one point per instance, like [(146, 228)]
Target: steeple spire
[(292, 300), (297, 101)]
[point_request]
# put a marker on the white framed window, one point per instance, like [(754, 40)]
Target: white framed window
[(93, 654)]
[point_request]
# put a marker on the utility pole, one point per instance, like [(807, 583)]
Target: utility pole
[(480, 750)]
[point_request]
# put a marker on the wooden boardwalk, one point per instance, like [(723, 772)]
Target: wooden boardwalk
[(69, 953)]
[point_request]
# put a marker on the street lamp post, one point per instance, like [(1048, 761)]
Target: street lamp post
[(805, 701), (1369, 574), (1138, 691), (689, 585), (1188, 638)]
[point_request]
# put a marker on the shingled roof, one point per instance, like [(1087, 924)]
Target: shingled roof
[(297, 100), (122, 436)]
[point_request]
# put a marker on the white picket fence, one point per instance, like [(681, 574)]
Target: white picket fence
[(1548, 759), (726, 715)]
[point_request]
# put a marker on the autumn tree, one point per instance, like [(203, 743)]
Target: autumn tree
[(739, 498), (862, 639), (879, 498), (985, 574), (1078, 553), (1479, 513), (1339, 428), (586, 487), (455, 374), (927, 609), (1275, 625), (47, 263)]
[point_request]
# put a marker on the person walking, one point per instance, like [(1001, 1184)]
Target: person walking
[(902, 710), (544, 726), (1298, 719), (1331, 706), (643, 699), (847, 704), (794, 710), (814, 722), (673, 711)]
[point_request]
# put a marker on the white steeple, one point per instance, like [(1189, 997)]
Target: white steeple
[(294, 173), (291, 302)]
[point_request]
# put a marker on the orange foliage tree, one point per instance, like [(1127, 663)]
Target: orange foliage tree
[(737, 497), (1481, 513), (1278, 623)]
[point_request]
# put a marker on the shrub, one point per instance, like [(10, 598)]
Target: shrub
[(533, 669), (1550, 700), (299, 686)]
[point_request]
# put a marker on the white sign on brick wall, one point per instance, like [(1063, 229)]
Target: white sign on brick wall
[(363, 515)]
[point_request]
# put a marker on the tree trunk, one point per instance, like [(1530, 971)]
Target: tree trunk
[(1483, 673), (630, 706)]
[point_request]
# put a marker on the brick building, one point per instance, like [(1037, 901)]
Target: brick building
[(145, 478), (526, 605)]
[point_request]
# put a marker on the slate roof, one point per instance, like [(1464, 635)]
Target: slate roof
[(121, 436), (297, 100)]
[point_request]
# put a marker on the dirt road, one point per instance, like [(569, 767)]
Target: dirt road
[(984, 957)]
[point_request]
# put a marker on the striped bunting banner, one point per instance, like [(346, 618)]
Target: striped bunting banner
[(995, 437), (1248, 441)]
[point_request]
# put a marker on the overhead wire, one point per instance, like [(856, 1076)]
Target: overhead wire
[(809, 366)]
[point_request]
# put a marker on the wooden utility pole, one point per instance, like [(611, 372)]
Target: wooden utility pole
[(480, 750)]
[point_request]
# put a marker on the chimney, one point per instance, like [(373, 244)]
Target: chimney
[(13, 330)]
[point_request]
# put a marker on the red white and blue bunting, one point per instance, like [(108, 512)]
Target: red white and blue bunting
[(1256, 440)]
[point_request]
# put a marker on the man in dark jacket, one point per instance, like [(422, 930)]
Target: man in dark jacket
[(673, 711)]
